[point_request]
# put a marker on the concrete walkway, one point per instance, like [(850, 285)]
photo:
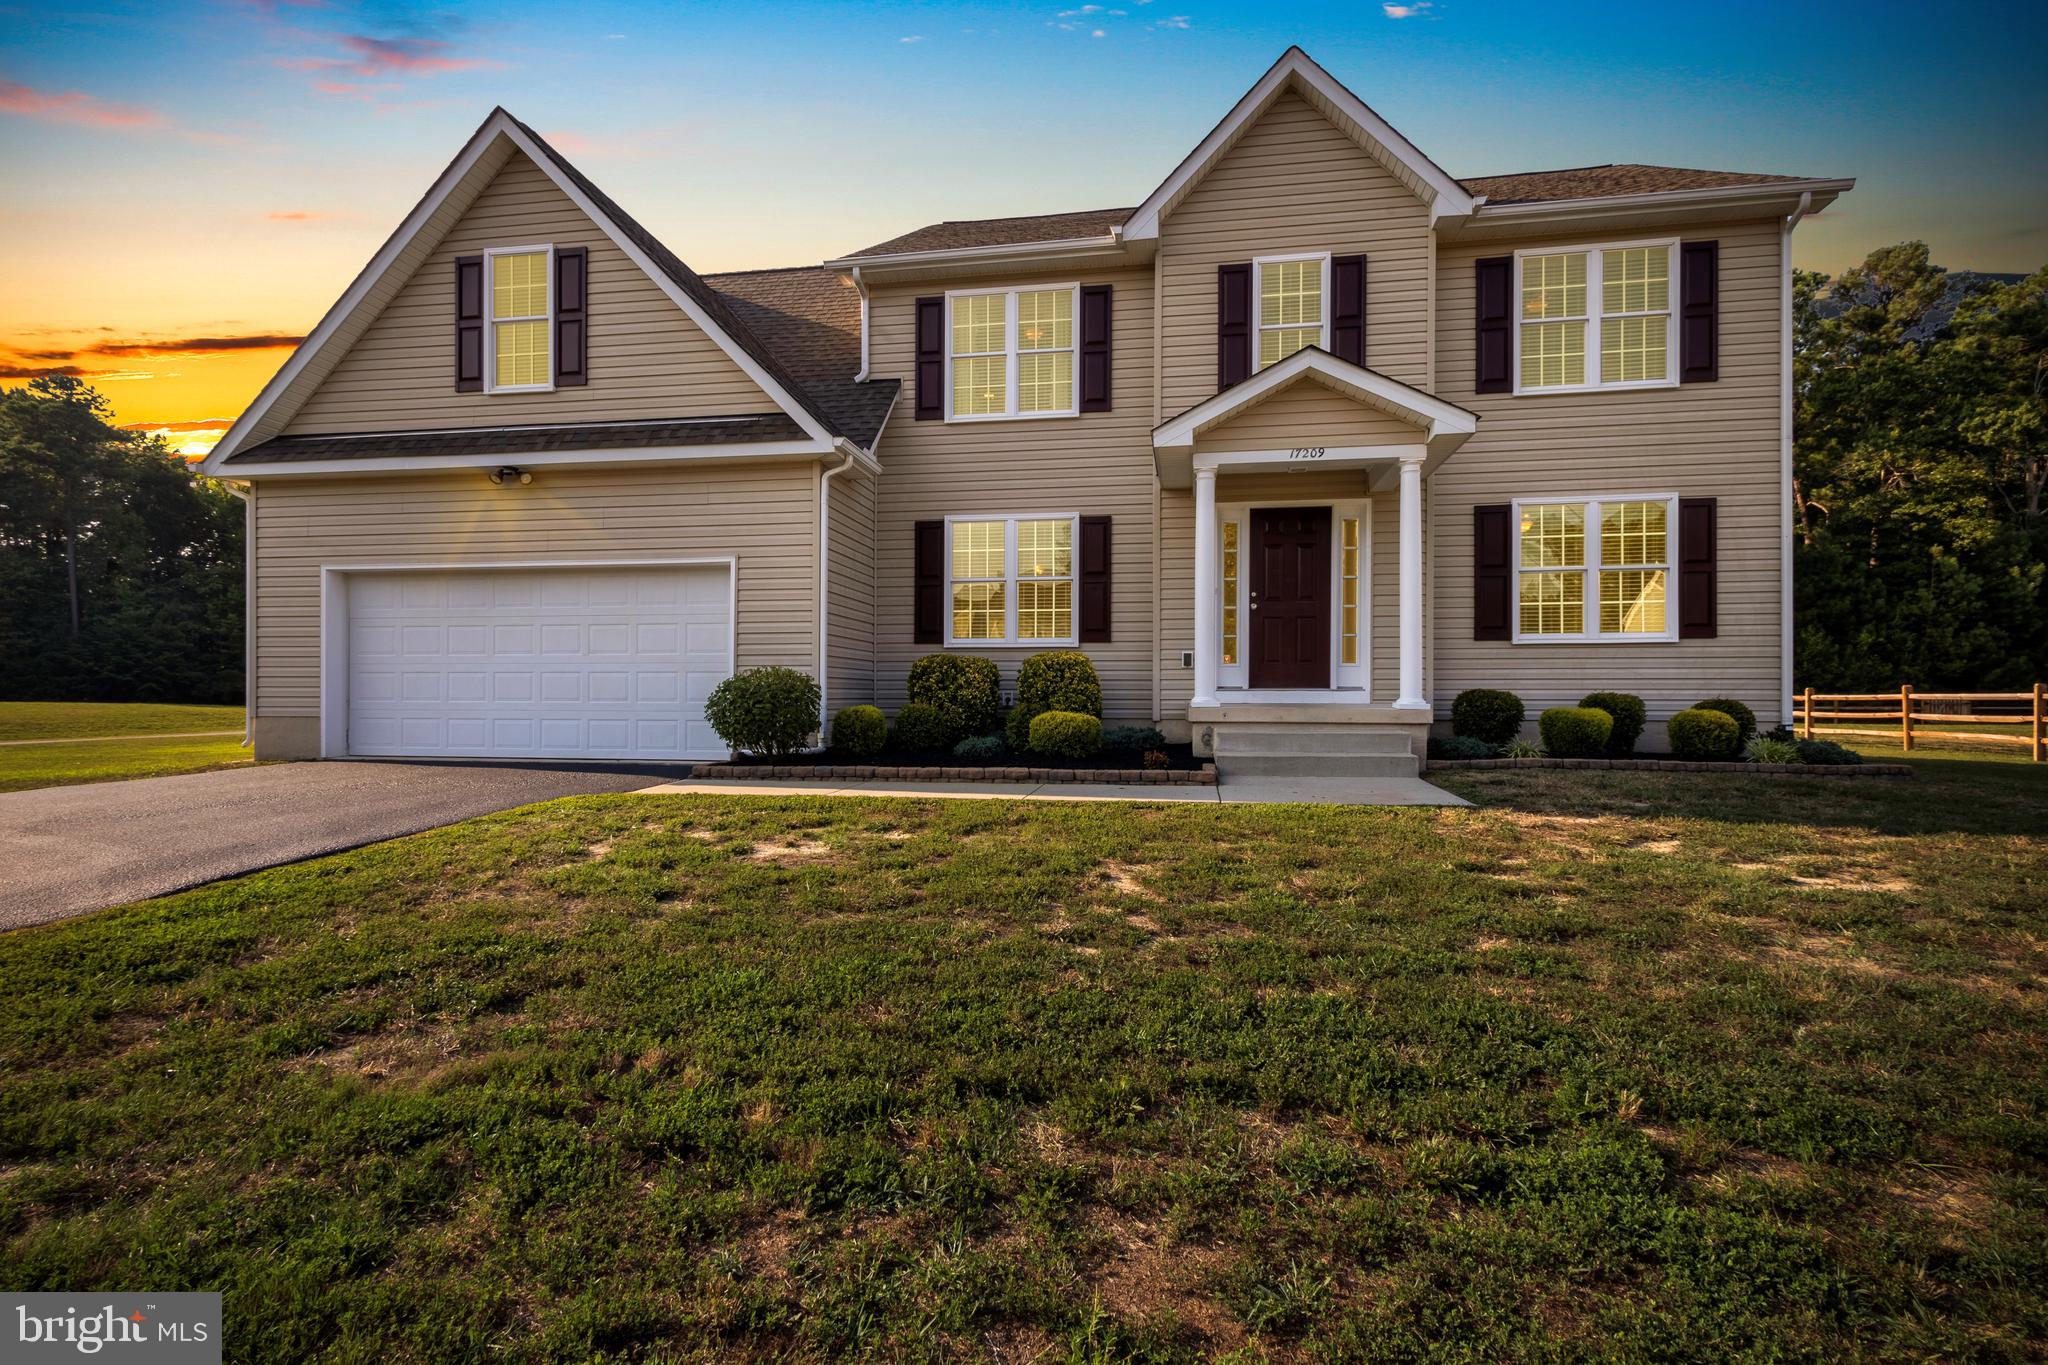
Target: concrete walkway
[(1406, 791)]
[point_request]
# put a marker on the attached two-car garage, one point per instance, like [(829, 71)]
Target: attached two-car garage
[(582, 662)]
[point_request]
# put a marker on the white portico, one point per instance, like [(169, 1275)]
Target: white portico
[(1292, 470)]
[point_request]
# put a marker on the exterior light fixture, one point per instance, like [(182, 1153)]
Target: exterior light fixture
[(510, 474)]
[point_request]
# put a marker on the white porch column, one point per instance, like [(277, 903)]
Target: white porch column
[(1207, 589), (1411, 583)]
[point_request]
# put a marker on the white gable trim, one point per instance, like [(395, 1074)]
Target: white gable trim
[(1447, 425), (499, 125), (1446, 196)]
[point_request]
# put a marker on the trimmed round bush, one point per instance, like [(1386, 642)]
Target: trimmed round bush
[(860, 731), (1745, 719), (922, 728), (982, 749), (1704, 735), (1460, 746), (968, 689), (1575, 731), (1066, 734), (771, 712), (1628, 714), (1057, 680), (1134, 739), (1827, 754), (1485, 714)]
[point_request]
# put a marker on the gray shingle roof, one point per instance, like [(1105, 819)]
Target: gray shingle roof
[(529, 440), (1043, 227), (810, 316)]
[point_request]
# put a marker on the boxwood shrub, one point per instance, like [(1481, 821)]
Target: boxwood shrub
[(860, 731), (968, 689), (982, 749), (770, 712), (1628, 714), (1460, 746), (1575, 731), (1057, 680), (1134, 739), (1066, 734), (1482, 713), (922, 728), (1827, 753), (1745, 719), (1703, 735)]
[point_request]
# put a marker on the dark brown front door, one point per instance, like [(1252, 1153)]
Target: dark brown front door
[(1290, 602)]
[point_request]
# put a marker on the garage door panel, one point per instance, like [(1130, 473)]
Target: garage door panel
[(570, 663)]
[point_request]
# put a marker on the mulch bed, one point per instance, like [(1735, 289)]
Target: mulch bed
[(1738, 767), (1182, 768), (1179, 758)]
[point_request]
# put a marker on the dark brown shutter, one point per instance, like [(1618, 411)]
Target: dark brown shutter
[(572, 313), (1094, 580), (1492, 541), (928, 574), (1233, 324), (931, 359), (1699, 569), (1699, 312), (1095, 319), (469, 324), (1347, 308), (1493, 339)]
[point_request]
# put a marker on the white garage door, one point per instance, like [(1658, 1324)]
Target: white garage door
[(537, 663)]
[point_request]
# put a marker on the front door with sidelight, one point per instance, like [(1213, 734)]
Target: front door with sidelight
[(1290, 597)]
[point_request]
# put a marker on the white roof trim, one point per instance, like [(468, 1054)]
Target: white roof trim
[(499, 125), (1448, 197), (972, 253), (1657, 199), (1446, 423)]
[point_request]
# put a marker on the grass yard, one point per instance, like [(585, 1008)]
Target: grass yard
[(1621, 1066), (155, 741)]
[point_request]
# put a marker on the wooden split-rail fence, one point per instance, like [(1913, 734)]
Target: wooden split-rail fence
[(1930, 715)]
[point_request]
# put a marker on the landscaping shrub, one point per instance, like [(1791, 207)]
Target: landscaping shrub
[(1770, 749), (1482, 713), (1745, 719), (922, 728), (968, 689), (1066, 734), (1460, 746), (1131, 738), (1628, 714), (1827, 753), (982, 748), (1057, 680), (1575, 731), (1521, 748), (860, 731), (1702, 735), (771, 712)]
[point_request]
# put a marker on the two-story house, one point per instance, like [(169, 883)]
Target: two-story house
[(1317, 435)]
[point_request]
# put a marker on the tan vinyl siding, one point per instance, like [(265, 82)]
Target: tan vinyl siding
[(1096, 464), (1717, 440), (850, 611), (1294, 183), (1307, 414), (647, 358), (764, 515)]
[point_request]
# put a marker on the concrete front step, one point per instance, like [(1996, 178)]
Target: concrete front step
[(1333, 740), (1358, 767)]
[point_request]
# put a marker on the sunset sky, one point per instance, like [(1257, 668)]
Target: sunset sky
[(189, 186)]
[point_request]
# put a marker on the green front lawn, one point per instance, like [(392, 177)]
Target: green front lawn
[(1617, 1066), (62, 764), (90, 719)]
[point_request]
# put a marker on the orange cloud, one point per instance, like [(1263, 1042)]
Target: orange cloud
[(196, 345), (296, 216), (74, 106)]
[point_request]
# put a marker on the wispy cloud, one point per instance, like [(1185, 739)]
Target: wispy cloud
[(75, 106), (12, 371), (1415, 9), (296, 216), (371, 57), (1178, 21), (265, 341), (912, 38)]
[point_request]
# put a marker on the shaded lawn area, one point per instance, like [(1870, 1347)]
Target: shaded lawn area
[(1616, 1066), (60, 764), (86, 719)]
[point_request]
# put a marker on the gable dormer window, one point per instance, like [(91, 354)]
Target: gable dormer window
[(1293, 306), (521, 319), (1010, 353), (1595, 318)]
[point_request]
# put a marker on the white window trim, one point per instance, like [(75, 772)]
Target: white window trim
[(1595, 296), (1010, 581), (1347, 678), (1259, 264), (491, 319), (1593, 635), (1009, 353)]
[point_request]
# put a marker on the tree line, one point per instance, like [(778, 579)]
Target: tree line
[(1920, 508)]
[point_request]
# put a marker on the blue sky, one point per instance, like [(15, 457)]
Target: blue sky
[(187, 169)]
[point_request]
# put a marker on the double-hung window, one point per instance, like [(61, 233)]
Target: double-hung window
[(521, 324), (1595, 318), (1010, 580), (1293, 306), (1011, 353), (1594, 569)]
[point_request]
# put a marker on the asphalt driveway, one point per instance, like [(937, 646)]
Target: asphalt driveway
[(67, 850)]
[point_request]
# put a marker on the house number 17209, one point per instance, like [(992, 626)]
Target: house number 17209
[(1308, 452)]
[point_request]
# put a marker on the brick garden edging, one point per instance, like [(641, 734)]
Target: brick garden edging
[(1674, 765), (1205, 776)]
